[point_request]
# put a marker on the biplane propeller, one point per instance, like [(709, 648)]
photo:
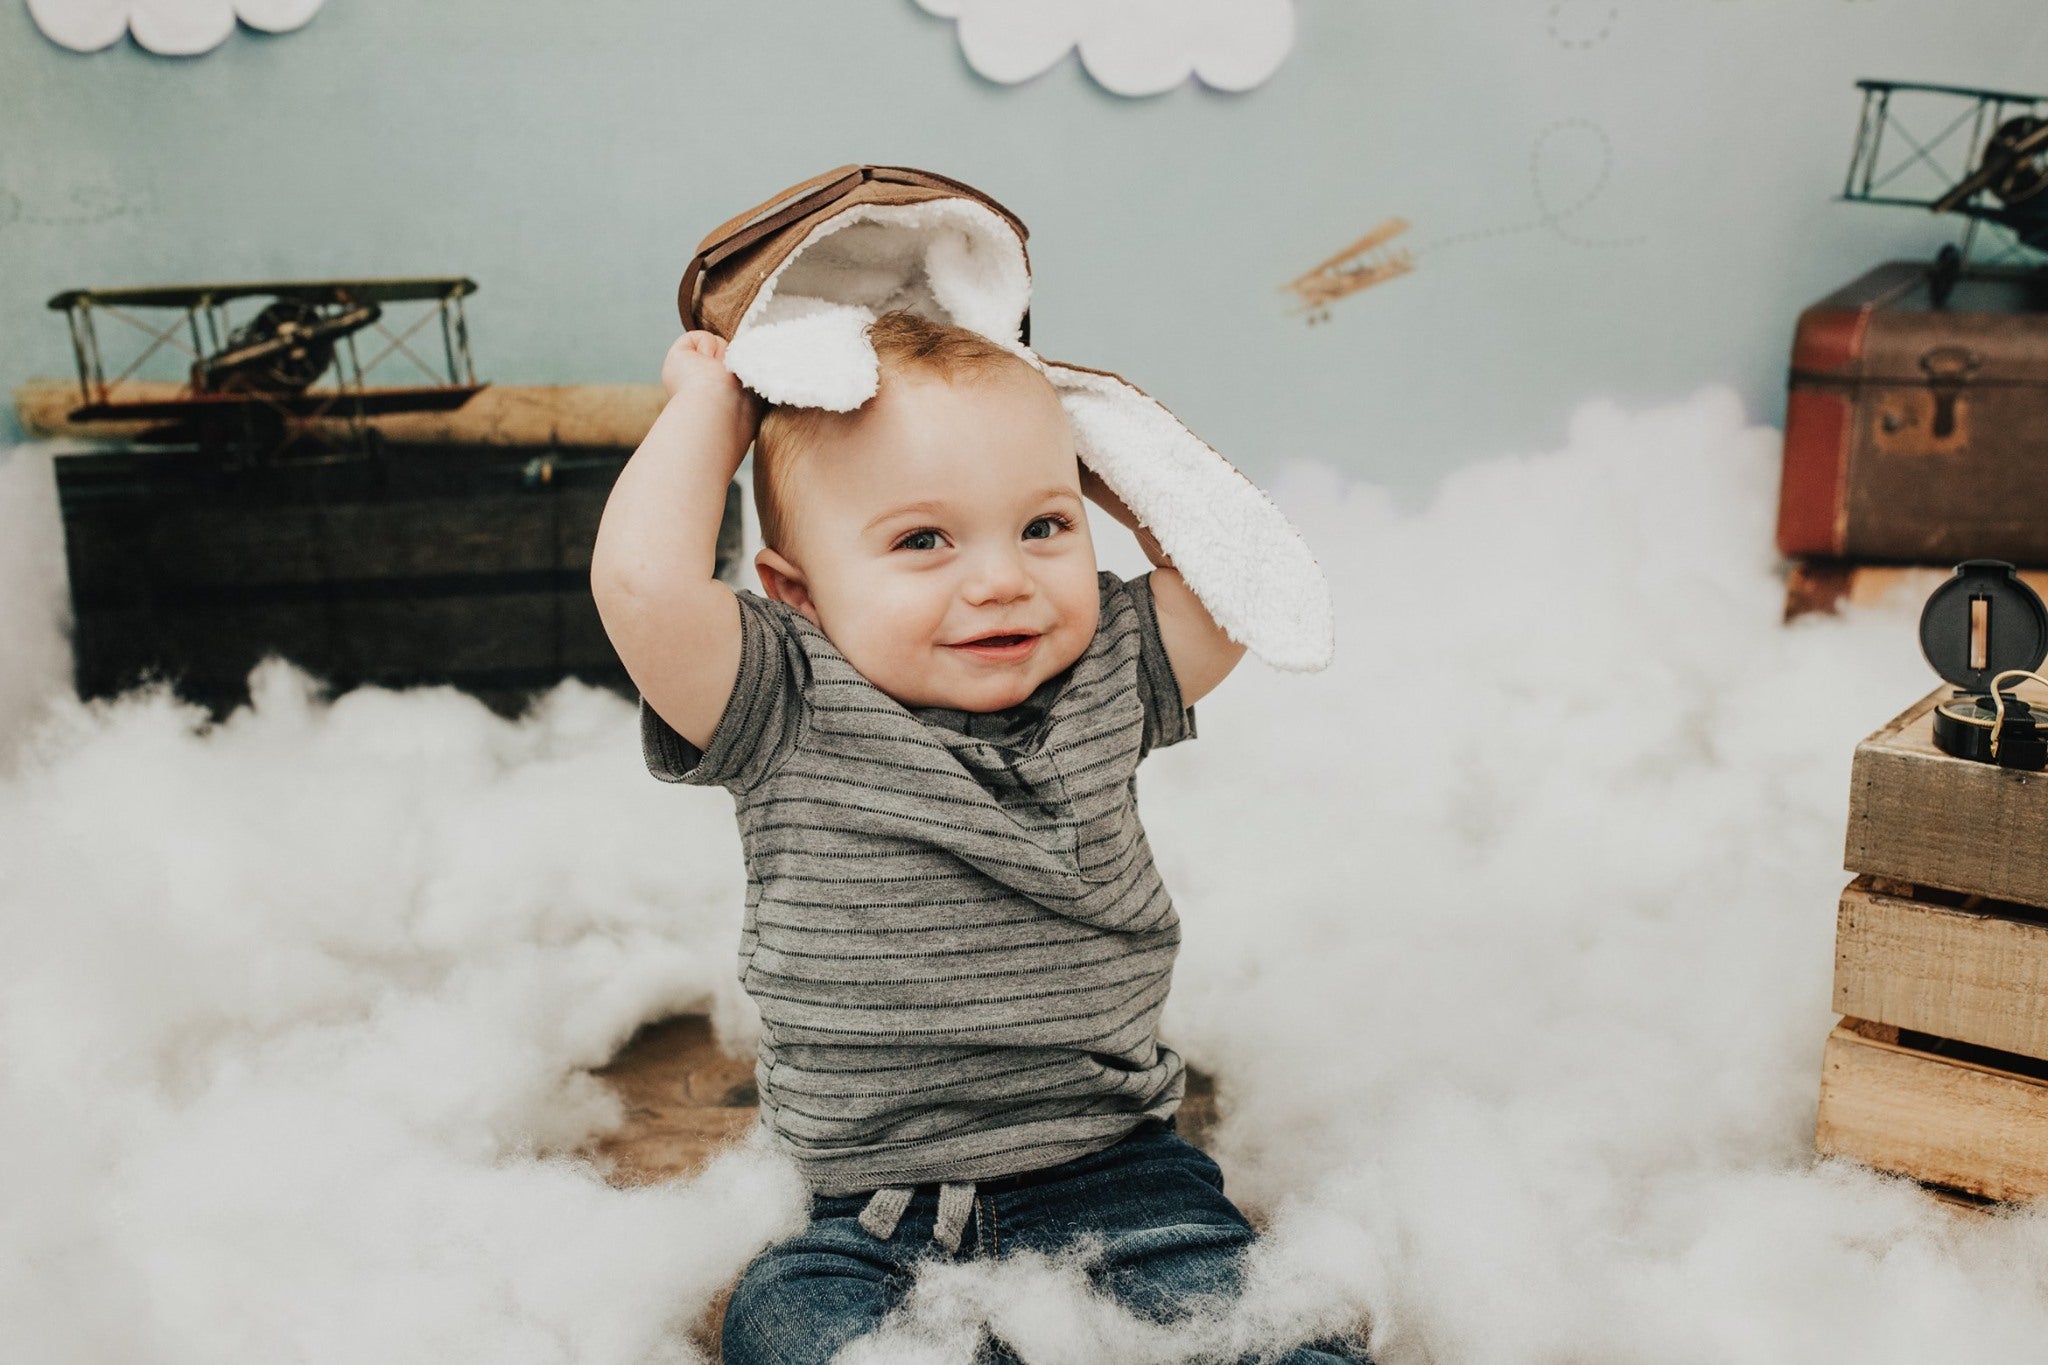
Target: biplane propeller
[(283, 350), (265, 374), (1988, 163)]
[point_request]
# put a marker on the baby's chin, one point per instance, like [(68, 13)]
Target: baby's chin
[(990, 696), (984, 688)]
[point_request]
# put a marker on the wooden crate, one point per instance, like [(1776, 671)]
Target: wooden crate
[(411, 565), (1925, 818), (1936, 1070), (431, 547), (1970, 1119)]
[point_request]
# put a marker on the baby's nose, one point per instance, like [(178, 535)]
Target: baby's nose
[(998, 574)]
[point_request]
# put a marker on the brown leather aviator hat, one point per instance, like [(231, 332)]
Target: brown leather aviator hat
[(793, 283)]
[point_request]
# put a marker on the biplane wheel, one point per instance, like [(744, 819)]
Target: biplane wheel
[(243, 435), (1943, 274)]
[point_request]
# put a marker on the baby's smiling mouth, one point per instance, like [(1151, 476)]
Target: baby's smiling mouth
[(998, 643)]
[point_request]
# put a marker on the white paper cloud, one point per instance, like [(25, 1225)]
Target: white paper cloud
[(174, 28), (1131, 47)]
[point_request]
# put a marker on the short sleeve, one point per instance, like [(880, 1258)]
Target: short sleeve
[(762, 720), (1167, 721)]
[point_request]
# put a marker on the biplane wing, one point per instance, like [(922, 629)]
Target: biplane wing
[(1965, 91), (1972, 151), (397, 290)]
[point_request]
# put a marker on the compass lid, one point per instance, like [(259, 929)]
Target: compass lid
[(1982, 622)]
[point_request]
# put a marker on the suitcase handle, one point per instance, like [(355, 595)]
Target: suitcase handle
[(1948, 369)]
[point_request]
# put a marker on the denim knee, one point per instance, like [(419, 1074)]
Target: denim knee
[(802, 1299)]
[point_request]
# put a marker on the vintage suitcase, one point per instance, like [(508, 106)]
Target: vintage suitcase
[(1915, 434), (407, 565)]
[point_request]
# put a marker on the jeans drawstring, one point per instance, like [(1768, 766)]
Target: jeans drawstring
[(885, 1207)]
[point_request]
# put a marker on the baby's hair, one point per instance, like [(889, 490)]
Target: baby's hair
[(904, 342)]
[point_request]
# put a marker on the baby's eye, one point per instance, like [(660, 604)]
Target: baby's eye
[(905, 542), (1058, 519)]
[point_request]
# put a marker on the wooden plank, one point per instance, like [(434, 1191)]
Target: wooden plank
[(684, 1099), (390, 639), (580, 416), (1897, 1108), (1919, 815), (173, 545), (199, 548), (1953, 966), (1826, 584)]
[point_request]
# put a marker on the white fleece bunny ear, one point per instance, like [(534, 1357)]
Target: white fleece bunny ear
[(1236, 551), (816, 355), (803, 342)]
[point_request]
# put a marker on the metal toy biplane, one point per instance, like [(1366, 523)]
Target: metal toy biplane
[(1988, 162), (263, 374)]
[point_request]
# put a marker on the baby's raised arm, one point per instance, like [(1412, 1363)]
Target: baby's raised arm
[(675, 626), (1200, 654)]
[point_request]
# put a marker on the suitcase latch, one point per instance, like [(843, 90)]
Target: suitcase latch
[(1948, 369)]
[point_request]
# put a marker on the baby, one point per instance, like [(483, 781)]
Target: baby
[(930, 727)]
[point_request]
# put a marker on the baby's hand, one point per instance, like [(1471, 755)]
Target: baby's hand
[(696, 358), (695, 368)]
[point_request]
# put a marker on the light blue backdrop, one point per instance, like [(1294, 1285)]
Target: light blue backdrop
[(1624, 199)]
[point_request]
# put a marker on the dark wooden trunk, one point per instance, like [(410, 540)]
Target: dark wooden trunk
[(398, 567), (1916, 434)]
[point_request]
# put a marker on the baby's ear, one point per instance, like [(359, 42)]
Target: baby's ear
[(784, 582)]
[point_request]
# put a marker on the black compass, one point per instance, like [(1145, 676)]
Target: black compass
[(1984, 630)]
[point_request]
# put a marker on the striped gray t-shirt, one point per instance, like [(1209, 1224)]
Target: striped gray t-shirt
[(954, 929)]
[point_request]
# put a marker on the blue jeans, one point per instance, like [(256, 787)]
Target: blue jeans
[(1156, 1200)]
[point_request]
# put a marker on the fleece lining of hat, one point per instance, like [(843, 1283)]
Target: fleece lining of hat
[(802, 342)]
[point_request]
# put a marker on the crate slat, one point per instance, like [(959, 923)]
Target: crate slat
[(1922, 816), (1973, 972), (1932, 1118)]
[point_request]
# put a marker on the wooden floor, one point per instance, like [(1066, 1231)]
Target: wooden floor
[(685, 1099)]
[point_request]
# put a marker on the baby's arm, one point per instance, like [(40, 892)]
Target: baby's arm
[(1201, 654), (675, 626)]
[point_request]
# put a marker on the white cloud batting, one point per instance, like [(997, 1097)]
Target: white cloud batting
[(173, 28), (1508, 939), (1131, 47)]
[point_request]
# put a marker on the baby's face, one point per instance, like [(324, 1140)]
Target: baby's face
[(946, 512)]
